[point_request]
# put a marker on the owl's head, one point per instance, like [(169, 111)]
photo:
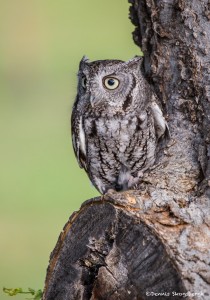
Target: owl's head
[(109, 84)]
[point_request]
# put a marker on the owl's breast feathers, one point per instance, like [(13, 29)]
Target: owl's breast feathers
[(115, 150)]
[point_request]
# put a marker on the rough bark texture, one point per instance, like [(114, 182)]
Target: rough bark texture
[(108, 252), (157, 239)]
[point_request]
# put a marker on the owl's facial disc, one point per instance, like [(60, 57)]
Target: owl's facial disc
[(110, 83)]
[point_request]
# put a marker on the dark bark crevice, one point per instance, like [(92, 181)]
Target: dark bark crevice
[(121, 258)]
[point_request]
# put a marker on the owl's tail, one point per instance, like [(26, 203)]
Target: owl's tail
[(125, 180)]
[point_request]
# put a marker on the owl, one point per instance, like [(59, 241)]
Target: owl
[(116, 123)]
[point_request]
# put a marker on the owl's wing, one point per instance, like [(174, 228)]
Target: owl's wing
[(78, 138), (160, 123)]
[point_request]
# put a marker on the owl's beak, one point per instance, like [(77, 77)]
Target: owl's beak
[(92, 100), (95, 101)]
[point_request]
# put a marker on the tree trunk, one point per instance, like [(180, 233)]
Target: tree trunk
[(154, 242)]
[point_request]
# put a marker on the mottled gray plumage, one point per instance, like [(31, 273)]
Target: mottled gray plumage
[(116, 123)]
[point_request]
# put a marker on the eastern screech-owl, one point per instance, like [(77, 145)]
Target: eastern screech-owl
[(116, 123)]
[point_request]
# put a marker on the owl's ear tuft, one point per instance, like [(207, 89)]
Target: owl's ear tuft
[(83, 61), (135, 62)]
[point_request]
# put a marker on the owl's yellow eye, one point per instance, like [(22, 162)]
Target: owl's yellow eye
[(84, 82), (111, 83)]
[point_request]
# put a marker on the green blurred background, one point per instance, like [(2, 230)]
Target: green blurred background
[(41, 43)]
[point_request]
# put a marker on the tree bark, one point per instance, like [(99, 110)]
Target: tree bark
[(154, 242)]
